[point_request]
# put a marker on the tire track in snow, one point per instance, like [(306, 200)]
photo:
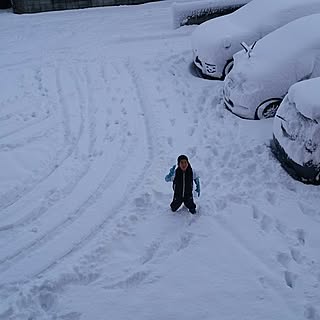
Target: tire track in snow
[(19, 64), (37, 122), (40, 210), (69, 144), (70, 219), (41, 91), (98, 228), (112, 175), (50, 200), (150, 147), (10, 146)]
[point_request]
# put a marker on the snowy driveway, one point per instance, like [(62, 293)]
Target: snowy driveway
[(95, 106)]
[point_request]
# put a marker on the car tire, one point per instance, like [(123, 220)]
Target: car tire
[(227, 68), (268, 108)]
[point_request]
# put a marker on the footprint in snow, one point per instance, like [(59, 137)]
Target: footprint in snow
[(290, 278), (192, 151), (203, 98), (191, 131), (284, 259), (220, 204), (143, 201), (308, 211), (296, 255), (7, 314), (47, 300), (150, 252), (311, 313), (271, 197), (259, 149), (215, 152), (185, 241), (185, 109), (301, 236), (266, 223), (71, 316), (255, 213), (226, 156), (281, 227)]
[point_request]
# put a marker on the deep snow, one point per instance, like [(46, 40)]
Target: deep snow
[(95, 106)]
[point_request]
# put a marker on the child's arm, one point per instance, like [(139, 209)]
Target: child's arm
[(196, 180), (170, 176)]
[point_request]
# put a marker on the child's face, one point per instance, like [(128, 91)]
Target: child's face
[(183, 165)]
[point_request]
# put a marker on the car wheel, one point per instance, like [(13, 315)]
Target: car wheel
[(268, 108), (228, 67)]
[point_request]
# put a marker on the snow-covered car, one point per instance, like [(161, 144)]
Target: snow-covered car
[(262, 76), (296, 131), (214, 42)]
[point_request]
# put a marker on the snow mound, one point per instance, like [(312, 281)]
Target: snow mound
[(306, 96), (200, 11)]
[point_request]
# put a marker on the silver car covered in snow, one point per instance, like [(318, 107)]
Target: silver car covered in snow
[(262, 76), (215, 42)]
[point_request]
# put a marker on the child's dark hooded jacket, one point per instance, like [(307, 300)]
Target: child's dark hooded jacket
[(183, 183)]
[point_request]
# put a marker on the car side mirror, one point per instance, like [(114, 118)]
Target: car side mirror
[(248, 49)]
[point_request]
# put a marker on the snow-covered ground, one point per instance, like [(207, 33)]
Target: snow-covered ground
[(95, 106)]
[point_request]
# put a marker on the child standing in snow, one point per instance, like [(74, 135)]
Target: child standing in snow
[(183, 178)]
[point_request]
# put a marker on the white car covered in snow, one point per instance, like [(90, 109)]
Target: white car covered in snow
[(261, 77), (215, 42), (296, 133)]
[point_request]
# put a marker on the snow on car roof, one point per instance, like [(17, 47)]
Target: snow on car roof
[(306, 96), (282, 49), (269, 13), (259, 10), (250, 22)]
